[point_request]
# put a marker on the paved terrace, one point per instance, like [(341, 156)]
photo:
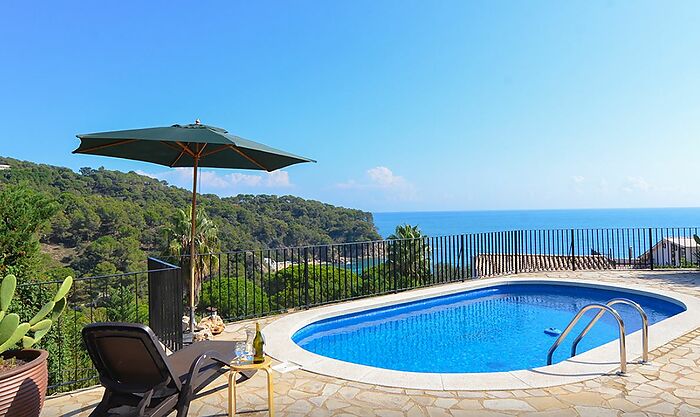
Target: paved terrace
[(668, 387)]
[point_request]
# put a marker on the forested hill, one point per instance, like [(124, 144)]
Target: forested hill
[(109, 220)]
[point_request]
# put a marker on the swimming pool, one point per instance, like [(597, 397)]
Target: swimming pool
[(477, 335), (495, 329)]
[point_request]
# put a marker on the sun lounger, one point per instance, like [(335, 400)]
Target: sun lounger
[(139, 377)]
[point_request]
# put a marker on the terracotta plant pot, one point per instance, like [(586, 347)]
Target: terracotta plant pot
[(23, 389)]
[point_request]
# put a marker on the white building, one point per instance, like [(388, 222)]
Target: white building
[(674, 251), (4, 167)]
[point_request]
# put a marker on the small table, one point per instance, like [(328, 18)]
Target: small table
[(235, 368)]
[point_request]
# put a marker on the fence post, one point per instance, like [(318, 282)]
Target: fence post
[(474, 239), (516, 250), (651, 251), (396, 254), (165, 308), (306, 277), (463, 269), (573, 257)]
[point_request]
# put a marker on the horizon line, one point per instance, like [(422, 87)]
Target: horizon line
[(534, 209)]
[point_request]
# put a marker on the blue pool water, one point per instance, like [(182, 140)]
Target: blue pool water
[(500, 328)]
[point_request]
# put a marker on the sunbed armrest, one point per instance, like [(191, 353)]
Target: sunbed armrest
[(192, 377)]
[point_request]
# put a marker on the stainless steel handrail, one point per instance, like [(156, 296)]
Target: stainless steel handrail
[(577, 317), (645, 326)]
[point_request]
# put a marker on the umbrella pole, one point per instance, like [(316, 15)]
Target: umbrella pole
[(193, 222)]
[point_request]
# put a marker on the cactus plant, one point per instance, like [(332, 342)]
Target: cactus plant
[(12, 332)]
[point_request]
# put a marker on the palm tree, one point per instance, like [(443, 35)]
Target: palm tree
[(206, 243), (409, 252)]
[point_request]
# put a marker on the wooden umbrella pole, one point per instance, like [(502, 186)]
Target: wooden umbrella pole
[(193, 221)]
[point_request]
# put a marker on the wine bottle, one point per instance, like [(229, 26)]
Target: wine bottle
[(258, 345)]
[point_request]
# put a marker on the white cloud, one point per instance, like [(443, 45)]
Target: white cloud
[(377, 177), (278, 179), (381, 178), (633, 184), (145, 174), (212, 180), (244, 179), (219, 181), (578, 179)]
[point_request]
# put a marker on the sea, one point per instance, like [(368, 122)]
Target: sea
[(440, 223)]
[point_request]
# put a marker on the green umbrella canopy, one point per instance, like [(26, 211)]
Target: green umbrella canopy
[(193, 145), (180, 145)]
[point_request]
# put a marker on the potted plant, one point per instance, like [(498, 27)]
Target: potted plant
[(23, 370)]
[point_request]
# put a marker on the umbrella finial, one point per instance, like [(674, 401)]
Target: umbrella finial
[(197, 122)]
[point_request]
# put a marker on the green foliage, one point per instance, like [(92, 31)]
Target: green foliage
[(385, 278), (8, 325), (206, 242), (12, 331), (105, 222), (235, 297), (326, 283), (108, 254), (7, 291), (409, 253), (68, 358), (134, 211), (121, 305), (23, 212)]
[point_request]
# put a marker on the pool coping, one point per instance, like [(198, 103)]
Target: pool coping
[(602, 360)]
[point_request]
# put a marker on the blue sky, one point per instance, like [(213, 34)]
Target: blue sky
[(407, 105)]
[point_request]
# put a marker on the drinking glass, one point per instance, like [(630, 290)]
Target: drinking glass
[(239, 350), (249, 352)]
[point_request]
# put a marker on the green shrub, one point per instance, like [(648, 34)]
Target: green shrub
[(326, 283), (384, 278), (13, 331), (235, 297)]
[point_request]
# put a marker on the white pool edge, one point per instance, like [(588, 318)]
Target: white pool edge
[(588, 365)]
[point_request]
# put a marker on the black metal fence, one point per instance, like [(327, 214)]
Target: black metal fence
[(165, 309), (119, 297), (246, 284)]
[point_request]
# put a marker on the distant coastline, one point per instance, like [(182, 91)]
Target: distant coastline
[(437, 223)]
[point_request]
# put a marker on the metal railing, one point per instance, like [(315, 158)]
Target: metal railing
[(577, 317), (247, 284), (166, 290), (614, 301), (117, 297)]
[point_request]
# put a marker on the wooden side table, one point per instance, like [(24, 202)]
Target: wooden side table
[(234, 369)]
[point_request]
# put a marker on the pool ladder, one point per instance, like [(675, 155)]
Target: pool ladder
[(607, 307)]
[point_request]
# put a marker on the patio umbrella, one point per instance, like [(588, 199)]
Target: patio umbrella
[(192, 145)]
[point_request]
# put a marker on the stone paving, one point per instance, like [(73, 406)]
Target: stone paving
[(670, 386)]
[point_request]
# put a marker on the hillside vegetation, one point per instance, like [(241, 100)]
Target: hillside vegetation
[(108, 221)]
